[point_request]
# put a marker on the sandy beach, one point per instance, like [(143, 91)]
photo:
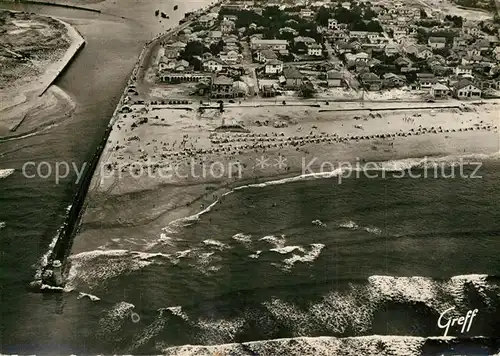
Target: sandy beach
[(174, 162)]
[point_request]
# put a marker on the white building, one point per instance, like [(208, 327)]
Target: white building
[(464, 89), (332, 24), (227, 26), (437, 42), (314, 50), (462, 70), (231, 57), (276, 45), (274, 66), (213, 65)]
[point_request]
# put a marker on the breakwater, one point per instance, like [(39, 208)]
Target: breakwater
[(62, 242), (55, 69)]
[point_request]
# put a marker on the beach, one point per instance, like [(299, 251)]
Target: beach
[(180, 161)]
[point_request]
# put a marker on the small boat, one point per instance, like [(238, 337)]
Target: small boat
[(157, 12), (164, 15), (176, 7)]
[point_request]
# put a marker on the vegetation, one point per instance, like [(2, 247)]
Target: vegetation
[(457, 21)]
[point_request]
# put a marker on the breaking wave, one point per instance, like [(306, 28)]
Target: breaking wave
[(4, 173), (359, 313), (387, 166), (375, 345)]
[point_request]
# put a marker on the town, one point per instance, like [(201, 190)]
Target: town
[(331, 51), (238, 80)]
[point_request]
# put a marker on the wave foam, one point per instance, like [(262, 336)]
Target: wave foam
[(287, 249), (241, 237), (277, 242), (389, 166), (310, 256), (216, 244)]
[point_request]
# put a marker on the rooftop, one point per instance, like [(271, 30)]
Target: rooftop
[(292, 73)]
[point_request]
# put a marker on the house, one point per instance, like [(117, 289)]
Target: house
[(461, 70), (266, 55), (496, 53), (227, 26), (482, 45), (215, 35), (206, 21), (315, 50), (473, 51), (358, 57), (290, 30), (391, 49), (230, 57), (371, 81), (213, 64), (358, 34), (304, 40), (222, 87), (471, 29), (293, 77), (171, 53), (276, 45), (391, 80), (426, 80), (411, 48), (465, 89), (306, 13), (274, 66), (437, 42), (439, 90), (343, 47), (423, 53), (398, 33), (403, 62), (459, 42), (228, 17), (334, 78), (332, 24), (166, 64), (346, 5), (267, 91)]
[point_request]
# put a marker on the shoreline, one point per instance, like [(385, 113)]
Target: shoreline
[(61, 245)]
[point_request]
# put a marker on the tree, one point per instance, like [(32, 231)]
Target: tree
[(322, 16), (369, 14), (216, 48), (307, 90), (193, 49)]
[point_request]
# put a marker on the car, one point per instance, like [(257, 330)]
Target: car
[(430, 100), (220, 102), (231, 101)]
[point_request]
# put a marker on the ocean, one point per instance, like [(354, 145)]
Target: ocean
[(308, 258), (382, 256)]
